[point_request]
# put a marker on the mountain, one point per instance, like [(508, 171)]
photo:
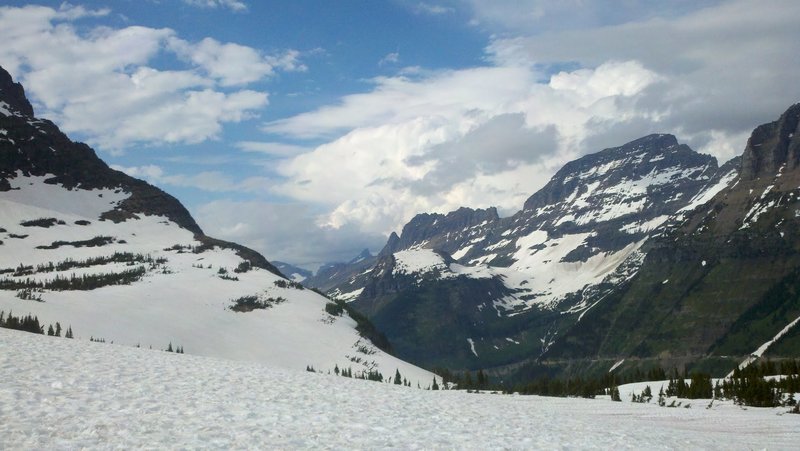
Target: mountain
[(332, 275), (721, 287), (117, 259), (470, 290), (294, 273)]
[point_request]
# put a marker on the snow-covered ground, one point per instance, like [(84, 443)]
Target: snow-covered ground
[(184, 300), (69, 394)]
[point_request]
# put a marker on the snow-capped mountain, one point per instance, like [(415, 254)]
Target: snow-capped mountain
[(471, 289), (721, 286), (294, 273), (117, 259)]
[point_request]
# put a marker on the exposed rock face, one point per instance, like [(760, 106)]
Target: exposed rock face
[(773, 145), (722, 283), (445, 232), (36, 147), (13, 94)]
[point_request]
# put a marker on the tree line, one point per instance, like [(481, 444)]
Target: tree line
[(30, 323)]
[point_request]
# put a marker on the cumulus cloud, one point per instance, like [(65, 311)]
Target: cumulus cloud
[(426, 141), (723, 69), (479, 137), (287, 232), (231, 64), (131, 102)]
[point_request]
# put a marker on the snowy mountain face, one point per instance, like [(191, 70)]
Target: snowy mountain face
[(723, 284), (513, 284), (121, 261), (292, 272)]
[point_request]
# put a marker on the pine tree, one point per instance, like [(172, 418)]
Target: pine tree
[(58, 329), (647, 394), (435, 386), (50, 331), (398, 379), (169, 348), (483, 380), (69, 333), (615, 394)]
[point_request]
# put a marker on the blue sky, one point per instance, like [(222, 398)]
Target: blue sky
[(310, 130)]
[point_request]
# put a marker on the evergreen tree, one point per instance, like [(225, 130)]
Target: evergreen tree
[(615, 394), (483, 380), (169, 348), (50, 331), (69, 333), (398, 379), (58, 329), (435, 386)]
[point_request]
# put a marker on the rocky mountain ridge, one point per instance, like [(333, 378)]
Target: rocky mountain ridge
[(721, 286), (472, 290)]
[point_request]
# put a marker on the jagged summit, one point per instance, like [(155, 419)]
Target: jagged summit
[(13, 95), (630, 162), (426, 229)]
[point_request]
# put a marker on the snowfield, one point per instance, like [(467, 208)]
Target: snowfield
[(184, 300), (70, 394)]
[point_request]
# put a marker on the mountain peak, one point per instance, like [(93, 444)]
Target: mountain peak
[(655, 141), (13, 94), (363, 255), (773, 145), (636, 160)]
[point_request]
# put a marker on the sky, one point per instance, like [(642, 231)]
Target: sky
[(310, 130)]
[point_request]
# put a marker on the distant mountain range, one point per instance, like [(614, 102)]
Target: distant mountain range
[(647, 253), (121, 261)]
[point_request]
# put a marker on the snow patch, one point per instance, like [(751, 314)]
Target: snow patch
[(472, 346)]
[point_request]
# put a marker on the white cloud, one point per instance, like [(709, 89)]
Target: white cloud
[(394, 100), (723, 70), (131, 101), (432, 9), (210, 181), (235, 5), (531, 17), (427, 141), (289, 61), (231, 64), (390, 58), (287, 232), (272, 148), (470, 137)]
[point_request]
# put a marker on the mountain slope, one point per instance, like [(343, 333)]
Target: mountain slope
[(472, 290), (721, 284), (118, 259)]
